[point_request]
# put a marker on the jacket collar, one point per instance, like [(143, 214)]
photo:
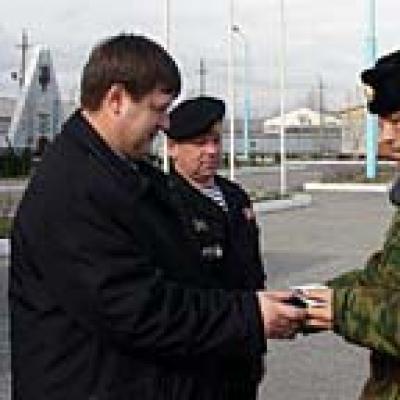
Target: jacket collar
[(177, 181), (78, 129)]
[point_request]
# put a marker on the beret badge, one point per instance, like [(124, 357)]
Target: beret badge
[(369, 93)]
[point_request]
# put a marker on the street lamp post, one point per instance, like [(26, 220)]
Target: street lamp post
[(282, 68), (371, 121), (167, 45), (231, 94), (246, 119)]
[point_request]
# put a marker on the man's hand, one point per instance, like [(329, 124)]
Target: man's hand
[(281, 321), (320, 317)]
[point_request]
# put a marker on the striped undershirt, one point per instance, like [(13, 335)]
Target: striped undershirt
[(214, 193)]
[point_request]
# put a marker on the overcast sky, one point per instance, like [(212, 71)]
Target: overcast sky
[(325, 41)]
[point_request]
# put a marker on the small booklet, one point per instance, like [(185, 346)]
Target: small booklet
[(299, 295)]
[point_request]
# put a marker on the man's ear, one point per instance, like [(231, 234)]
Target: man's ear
[(114, 98)]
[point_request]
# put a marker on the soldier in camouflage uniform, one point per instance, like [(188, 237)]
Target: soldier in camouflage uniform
[(364, 305)]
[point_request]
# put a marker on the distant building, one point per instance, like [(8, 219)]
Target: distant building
[(255, 128), (307, 132), (7, 106), (354, 130)]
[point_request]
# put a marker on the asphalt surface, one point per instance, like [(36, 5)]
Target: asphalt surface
[(311, 245), (334, 234)]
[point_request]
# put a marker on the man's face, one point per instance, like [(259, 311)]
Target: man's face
[(389, 136), (140, 121), (197, 159)]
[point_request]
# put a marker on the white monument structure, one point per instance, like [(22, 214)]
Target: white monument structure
[(38, 114)]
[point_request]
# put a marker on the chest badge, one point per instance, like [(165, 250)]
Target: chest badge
[(212, 252), (248, 213), (200, 225)]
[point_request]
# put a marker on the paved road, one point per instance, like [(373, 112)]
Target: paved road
[(310, 245), (304, 245)]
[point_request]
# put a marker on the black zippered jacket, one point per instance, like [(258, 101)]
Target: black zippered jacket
[(107, 299)]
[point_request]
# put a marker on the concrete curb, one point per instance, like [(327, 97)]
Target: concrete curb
[(298, 200), (348, 187)]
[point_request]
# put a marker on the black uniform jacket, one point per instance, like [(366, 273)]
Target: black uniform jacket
[(227, 243), (107, 298)]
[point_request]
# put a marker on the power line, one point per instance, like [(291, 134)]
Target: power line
[(203, 76)]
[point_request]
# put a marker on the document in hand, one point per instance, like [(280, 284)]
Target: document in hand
[(300, 292)]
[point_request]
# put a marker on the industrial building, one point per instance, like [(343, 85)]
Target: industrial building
[(307, 132)]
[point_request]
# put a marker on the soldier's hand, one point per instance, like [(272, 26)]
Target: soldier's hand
[(320, 317), (281, 321)]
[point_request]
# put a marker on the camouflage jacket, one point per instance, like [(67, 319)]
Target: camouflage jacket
[(367, 312)]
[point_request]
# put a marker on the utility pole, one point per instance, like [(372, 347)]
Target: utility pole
[(246, 115), (202, 75), (165, 160), (321, 117), (282, 92), (24, 46), (231, 92), (321, 88), (371, 121)]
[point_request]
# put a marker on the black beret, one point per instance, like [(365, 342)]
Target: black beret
[(195, 116), (383, 80)]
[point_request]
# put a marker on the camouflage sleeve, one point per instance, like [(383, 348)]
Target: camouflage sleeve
[(382, 268), (369, 316), (367, 302)]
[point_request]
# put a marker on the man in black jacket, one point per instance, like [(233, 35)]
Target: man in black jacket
[(105, 297), (217, 213)]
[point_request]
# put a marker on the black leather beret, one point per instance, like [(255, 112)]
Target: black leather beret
[(195, 116), (383, 79)]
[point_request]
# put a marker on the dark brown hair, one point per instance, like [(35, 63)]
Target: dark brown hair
[(138, 63)]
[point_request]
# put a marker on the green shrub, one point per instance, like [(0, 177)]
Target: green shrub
[(15, 163), (5, 227)]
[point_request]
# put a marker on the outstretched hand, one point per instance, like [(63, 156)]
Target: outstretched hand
[(320, 317), (281, 321)]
